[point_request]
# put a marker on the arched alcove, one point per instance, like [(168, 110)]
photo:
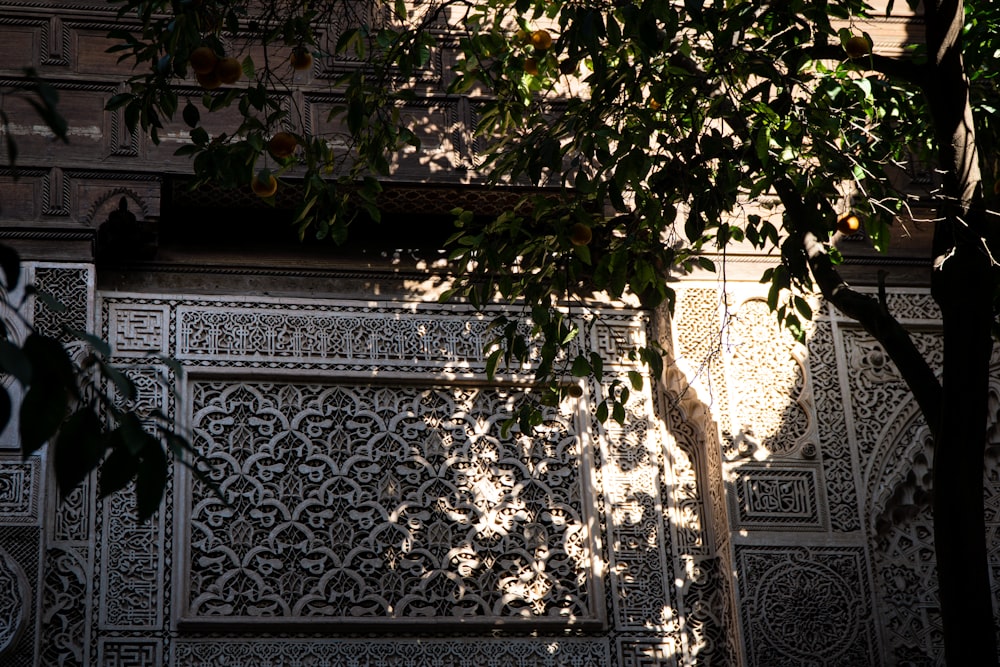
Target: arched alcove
[(898, 515)]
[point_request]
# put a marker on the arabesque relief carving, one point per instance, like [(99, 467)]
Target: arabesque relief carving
[(351, 502)]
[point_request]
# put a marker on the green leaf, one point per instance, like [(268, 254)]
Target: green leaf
[(199, 136), (118, 469), (597, 365), (151, 480), (602, 412), (118, 101), (346, 38), (15, 362), (10, 263), (635, 378), (581, 367), (99, 344), (803, 307), (191, 115), (50, 302), (43, 409), (491, 363), (570, 336), (79, 448), (132, 434), (618, 413), (50, 362), (356, 113)]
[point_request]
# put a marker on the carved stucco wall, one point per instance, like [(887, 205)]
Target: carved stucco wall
[(378, 514), (826, 462), (372, 491)]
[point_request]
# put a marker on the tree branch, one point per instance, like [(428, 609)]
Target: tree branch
[(896, 68), (879, 322)]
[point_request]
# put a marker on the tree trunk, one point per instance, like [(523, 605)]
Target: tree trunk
[(959, 525), (963, 283)]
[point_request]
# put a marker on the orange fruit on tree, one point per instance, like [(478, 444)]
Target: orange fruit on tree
[(282, 145), (531, 66), (574, 390), (848, 224), (580, 234), (209, 81), (301, 59), (857, 47), (264, 184), (541, 40), (203, 60), (229, 70)]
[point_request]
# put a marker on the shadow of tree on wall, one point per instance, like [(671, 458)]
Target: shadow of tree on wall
[(404, 504), (899, 515)]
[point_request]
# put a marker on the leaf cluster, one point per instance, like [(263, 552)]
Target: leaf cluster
[(661, 135), (81, 405)]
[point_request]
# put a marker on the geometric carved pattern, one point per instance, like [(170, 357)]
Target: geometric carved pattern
[(805, 606), (73, 516), (772, 406), (353, 502), (711, 624), (775, 498), (698, 342), (686, 465), (484, 652), (282, 560), (139, 332), (875, 388), (19, 550), (340, 336), (64, 603), (15, 601), (70, 287), (697, 519), (647, 653), (19, 490), (67, 566), (841, 487), (130, 653), (632, 479), (16, 330), (903, 547), (298, 334), (896, 450), (131, 575)]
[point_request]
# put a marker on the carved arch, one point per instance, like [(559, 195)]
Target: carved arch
[(899, 522), (699, 521), (108, 202)]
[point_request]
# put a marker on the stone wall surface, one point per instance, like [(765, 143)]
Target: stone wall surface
[(765, 503)]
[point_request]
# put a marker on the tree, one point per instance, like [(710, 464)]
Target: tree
[(70, 395), (655, 126), (65, 389)]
